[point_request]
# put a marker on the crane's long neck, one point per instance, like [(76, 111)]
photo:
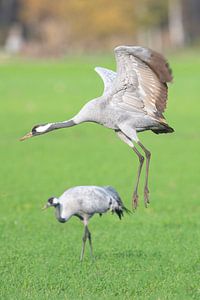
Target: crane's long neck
[(64, 124), (53, 126), (62, 215), (58, 214), (90, 112)]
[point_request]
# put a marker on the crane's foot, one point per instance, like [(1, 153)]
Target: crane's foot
[(146, 196), (135, 200)]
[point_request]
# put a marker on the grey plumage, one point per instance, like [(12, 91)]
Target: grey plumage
[(133, 100), (85, 201)]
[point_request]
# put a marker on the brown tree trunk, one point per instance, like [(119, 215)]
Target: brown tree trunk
[(176, 28)]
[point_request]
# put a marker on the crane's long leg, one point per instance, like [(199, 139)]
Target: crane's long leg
[(128, 141), (135, 193), (86, 235), (84, 241), (148, 157), (90, 242)]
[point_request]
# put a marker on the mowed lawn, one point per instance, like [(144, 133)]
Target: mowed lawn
[(153, 253)]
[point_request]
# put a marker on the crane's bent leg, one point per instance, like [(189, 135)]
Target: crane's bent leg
[(148, 157), (135, 193), (128, 141), (84, 241), (90, 241)]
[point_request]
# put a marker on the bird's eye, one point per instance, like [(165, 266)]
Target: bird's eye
[(34, 129), (40, 128), (50, 200)]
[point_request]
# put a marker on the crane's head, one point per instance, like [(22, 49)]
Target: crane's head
[(53, 201), (37, 130)]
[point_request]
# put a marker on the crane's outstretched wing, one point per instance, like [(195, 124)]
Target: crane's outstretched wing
[(140, 85), (107, 76)]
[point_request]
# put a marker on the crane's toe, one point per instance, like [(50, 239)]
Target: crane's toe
[(135, 200), (146, 196)]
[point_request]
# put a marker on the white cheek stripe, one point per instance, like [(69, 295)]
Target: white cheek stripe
[(55, 200), (43, 128)]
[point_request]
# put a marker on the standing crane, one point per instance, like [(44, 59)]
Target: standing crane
[(83, 202), (133, 100)]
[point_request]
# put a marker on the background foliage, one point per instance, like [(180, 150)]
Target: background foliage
[(58, 27)]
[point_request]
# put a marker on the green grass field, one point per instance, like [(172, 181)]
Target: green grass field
[(152, 254)]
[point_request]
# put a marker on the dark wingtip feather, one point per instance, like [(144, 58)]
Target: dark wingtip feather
[(164, 129), (126, 210), (153, 59), (160, 66), (120, 212)]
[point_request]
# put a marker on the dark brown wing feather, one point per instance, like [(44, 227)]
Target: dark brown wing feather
[(156, 62), (148, 72)]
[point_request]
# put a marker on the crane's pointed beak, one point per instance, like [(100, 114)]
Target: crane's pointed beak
[(27, 136), (46, 206)]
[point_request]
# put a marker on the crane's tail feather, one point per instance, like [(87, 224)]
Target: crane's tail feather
[(164, 128), (120, 211), (118, 207), (126, 210)]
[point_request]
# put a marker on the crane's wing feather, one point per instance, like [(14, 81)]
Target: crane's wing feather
[(107, 76), (110, 190), (140, 85)]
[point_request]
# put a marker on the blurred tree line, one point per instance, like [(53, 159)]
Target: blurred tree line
[(57, 27)]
